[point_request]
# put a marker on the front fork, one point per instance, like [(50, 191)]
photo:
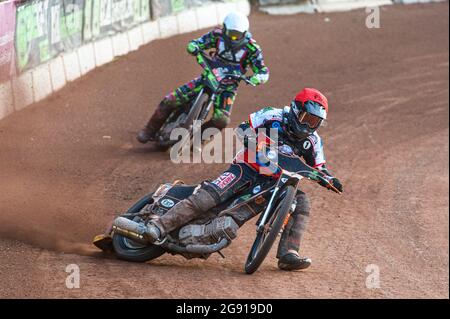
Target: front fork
[(192, 110), (206, 110), (282, 181)]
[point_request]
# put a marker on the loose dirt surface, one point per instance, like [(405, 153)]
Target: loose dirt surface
[(71, 163)]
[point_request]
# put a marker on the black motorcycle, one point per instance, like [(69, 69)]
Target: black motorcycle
[(216, 76), (273, 199)]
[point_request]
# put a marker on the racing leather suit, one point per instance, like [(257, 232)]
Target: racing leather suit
[(247, 54), (241, 175)]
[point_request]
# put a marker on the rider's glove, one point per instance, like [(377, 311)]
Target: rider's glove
[(193, 48), (254, 80), (334, 182), (259, 78), (337, 184)]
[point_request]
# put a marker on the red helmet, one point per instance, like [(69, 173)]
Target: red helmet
[(308, 110), (313, 95)]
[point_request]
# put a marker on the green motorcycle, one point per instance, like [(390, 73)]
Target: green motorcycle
[(216, 77)]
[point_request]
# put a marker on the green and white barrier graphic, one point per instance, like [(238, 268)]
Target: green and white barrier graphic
[(58, 41), (46, 28), (107, 17)]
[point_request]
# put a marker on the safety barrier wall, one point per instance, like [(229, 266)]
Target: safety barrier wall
[(275, 2), (44, 44), (7, 30)]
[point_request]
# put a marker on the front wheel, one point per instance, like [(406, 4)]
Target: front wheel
[(266, 237), (196, 110), (129, 250), (195, 114)]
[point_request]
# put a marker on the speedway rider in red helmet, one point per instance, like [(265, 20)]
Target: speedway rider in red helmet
[(296, 127)]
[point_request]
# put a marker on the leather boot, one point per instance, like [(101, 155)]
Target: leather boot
[(148, 133), (292, 261), (182, 213), (292, 234), (288, 256)]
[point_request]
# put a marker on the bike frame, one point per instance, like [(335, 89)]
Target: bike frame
[(212, 83), (211, 86)]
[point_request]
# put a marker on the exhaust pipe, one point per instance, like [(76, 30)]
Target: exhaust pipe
[(130, 229), (137, 232)]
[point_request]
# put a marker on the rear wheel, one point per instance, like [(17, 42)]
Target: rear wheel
[(129, 250), (267, 236)]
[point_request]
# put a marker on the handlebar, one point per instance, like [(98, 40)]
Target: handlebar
[(311, 176), (227, 76), (240, 78)]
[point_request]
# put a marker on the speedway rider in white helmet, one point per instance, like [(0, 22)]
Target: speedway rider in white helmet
[(232, 44)]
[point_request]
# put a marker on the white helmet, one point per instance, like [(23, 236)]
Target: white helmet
[(235, 26)]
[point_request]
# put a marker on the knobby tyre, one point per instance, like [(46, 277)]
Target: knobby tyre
[(129, 250), (266, 238)]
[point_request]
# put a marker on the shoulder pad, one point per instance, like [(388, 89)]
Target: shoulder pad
[(266, 114)]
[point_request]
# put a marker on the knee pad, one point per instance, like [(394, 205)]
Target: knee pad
[(303, 204)]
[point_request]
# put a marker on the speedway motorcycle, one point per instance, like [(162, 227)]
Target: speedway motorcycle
[(216, 76), (272, 199)]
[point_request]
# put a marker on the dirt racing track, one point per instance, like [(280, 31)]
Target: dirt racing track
[(70, 163)]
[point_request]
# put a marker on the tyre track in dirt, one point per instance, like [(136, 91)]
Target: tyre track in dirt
[(70, 163)]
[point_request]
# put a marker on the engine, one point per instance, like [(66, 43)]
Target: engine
[(212, 232)]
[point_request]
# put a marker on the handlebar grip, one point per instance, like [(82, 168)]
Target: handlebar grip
[(246, 80), (330, 186)]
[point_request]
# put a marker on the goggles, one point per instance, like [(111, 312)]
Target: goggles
[(310, 113), (234, 35), (309, 119)]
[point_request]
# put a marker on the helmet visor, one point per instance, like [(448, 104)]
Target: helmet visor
[(234, 35), (309, 119)]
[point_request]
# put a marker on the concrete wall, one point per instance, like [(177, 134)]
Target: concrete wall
[(37, 84)]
